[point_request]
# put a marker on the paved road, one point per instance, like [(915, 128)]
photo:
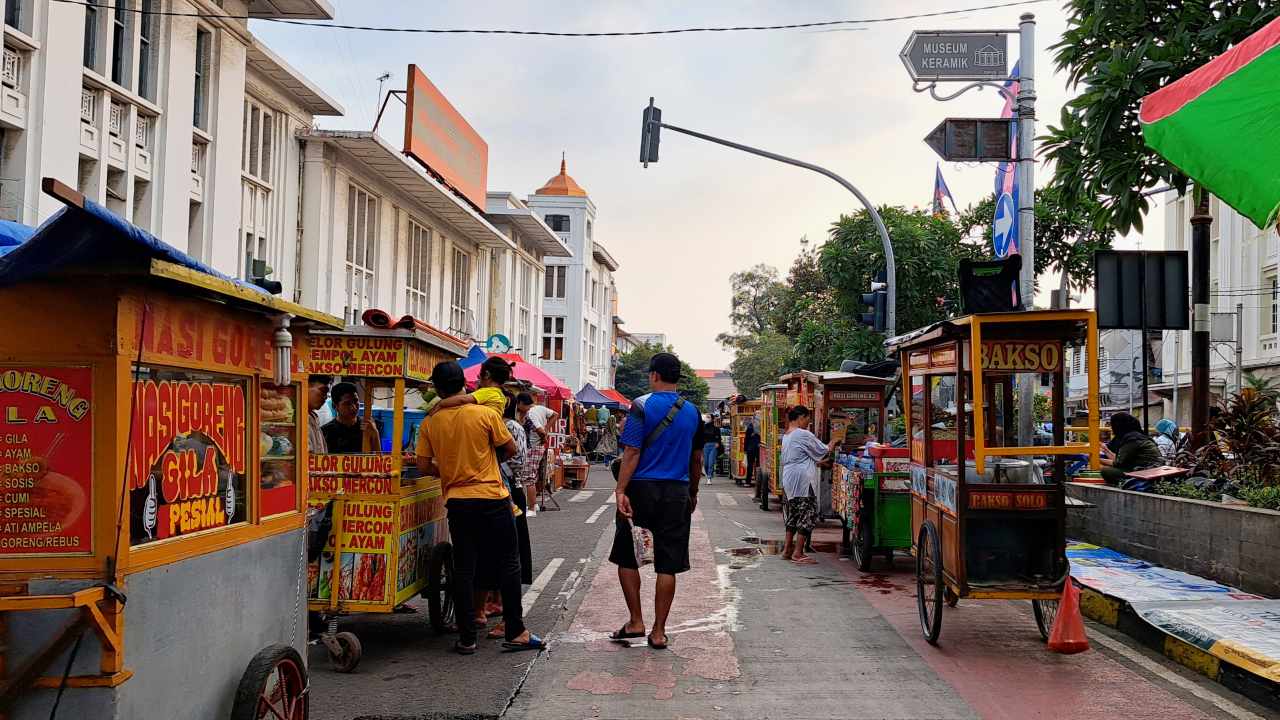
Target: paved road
[(754, 637)]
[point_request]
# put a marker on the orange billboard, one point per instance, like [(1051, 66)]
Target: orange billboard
[(436, 135)]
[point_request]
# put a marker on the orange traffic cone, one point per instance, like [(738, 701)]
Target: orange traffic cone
[(1067, 636)]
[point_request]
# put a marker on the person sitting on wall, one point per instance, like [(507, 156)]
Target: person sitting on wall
[(1129, 449), (347, 432)]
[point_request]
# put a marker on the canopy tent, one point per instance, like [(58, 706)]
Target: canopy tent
[(1217, 125), (589, 395), (617, 397), (12, 235), (522, 370)]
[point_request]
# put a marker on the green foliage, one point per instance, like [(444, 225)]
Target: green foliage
[(1183, 489), (760, 359), (1261, 496), (1246, 441), (753, 310), (926, 248), (1066, 237), (632, 376), (1119, 51)]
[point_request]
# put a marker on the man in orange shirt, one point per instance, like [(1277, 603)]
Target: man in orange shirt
[(457, 445)]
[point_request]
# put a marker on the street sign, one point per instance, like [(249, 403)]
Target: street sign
[(972, 139), (956, 55)]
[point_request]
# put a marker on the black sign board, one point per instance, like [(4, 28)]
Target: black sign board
[(972, 139), (1141, 290)]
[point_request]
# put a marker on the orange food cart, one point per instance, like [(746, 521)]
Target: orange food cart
[(136, 386), (741, 415)]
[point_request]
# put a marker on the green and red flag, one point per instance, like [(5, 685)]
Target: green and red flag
[(1220, 124)]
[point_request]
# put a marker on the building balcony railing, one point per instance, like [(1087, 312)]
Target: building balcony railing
[(11, 68)]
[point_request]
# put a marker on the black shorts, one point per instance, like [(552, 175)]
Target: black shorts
[(662, 508)]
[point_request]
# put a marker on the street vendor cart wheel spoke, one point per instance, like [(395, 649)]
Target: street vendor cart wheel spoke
[(862, 550), (930, 584), (439, 590), (1046, 611), (273, 687)]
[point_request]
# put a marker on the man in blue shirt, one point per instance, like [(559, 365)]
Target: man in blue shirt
[(657, 490)]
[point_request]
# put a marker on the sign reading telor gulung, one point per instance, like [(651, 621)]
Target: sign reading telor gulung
[(951, 55)]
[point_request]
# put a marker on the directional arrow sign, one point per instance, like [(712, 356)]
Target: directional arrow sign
[(956, 55), (972, 139)]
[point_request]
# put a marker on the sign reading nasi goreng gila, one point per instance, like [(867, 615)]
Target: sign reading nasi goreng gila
[(1039, 356), (187, 457), (46, 460)]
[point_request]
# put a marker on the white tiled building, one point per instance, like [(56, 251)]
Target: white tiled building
[(578, 292)]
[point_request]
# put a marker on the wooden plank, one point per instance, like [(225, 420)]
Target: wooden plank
[(187, 276), (52, 602), (85, 681)]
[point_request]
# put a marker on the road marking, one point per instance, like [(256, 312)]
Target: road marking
[(582, 496), (726, 499), (596, 515), (1146, 663), (540, 583), (611, 498)]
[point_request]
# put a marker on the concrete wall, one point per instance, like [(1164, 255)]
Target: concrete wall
[(191, 628), (1234, 545)]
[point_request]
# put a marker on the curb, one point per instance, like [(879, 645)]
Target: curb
[(1116, 613)]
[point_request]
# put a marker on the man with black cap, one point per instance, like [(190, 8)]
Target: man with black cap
[(457, 445), (658, 491)]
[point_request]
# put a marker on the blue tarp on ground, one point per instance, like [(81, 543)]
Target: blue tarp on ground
[(589, 395), (93, 237)]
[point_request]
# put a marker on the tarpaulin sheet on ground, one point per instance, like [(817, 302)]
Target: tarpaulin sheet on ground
[(1232, 625)]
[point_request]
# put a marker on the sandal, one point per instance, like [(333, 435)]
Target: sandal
[(804, 560), (533, 643), (656, 645), (498, 632), (623, 633), (461, 649)]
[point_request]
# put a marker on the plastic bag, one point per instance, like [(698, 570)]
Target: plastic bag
[(642, 542)]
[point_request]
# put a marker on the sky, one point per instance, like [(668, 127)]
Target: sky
[(841, 99)]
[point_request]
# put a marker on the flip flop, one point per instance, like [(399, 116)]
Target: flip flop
[(624, 634), (656, 646), (534, 643), (497, 633), (461, 649), (806, 560)]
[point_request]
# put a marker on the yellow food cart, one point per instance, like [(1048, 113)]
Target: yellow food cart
[(741, 415), (135, 383), (389, 540), (773, 423)]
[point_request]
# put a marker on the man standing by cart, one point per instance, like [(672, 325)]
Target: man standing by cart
[(457, 445), (658, 491)]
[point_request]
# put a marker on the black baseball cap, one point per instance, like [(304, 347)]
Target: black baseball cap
[(447, 377)]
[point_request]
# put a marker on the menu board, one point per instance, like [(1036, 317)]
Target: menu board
[(46, 460), (188, 454)]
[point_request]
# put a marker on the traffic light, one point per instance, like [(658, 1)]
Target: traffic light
[(649, 133), (878, 301)]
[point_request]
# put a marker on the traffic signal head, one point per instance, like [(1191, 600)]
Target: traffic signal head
[(650, 127), (878, 301)]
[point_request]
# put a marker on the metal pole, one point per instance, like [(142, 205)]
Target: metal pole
[(1200, 222), (1177, 373), (891, 273), (1239, 347), (1131, 373), (1027, 200)]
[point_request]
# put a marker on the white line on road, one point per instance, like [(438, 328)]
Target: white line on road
[(726, 499), (1146, 663), (582, 496), (611, 498), (540, 583), (596, 515)]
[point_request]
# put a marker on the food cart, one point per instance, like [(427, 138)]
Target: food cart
[(985, 522), (773, 423), (869, 486), (741, 414), (389, 540), (136, 382)]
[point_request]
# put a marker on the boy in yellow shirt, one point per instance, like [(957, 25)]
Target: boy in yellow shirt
[(494, 373)]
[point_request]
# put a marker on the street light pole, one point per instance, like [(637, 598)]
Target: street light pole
[(890, 269), (1027, 202)]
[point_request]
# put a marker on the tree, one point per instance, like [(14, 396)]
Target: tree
[(632, 376), (759, 360), (1066, 237), (927, 250), (757, 295), (1121, 51)]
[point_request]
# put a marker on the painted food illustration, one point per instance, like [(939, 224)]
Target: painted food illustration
[(363, 577), (62, 499)]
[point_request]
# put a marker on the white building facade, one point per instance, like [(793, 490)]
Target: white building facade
[(578, 291)]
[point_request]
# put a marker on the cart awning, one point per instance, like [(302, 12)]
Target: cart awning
[(589, 395), (616, 396), (86, 237)]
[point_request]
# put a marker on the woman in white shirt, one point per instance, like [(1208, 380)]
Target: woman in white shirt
[(801, 453)]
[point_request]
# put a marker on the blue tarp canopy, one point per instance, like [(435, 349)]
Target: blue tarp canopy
[(12, 235), (589, 395)]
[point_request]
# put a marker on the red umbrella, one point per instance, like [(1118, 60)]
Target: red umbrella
[(522, 370)]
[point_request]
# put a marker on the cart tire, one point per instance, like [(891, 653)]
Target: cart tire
[(1046, 611), (930, 585), (439, 590), (274, 685), (862, 544), (351, 652)]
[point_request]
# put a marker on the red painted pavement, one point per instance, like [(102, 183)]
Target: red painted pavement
[(990, 651)]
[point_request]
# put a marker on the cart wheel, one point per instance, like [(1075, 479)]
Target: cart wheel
[(439, 590), (930, 585), (351, 651), (951, 598), (1046, 611), (862, 543), (274, 686)]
